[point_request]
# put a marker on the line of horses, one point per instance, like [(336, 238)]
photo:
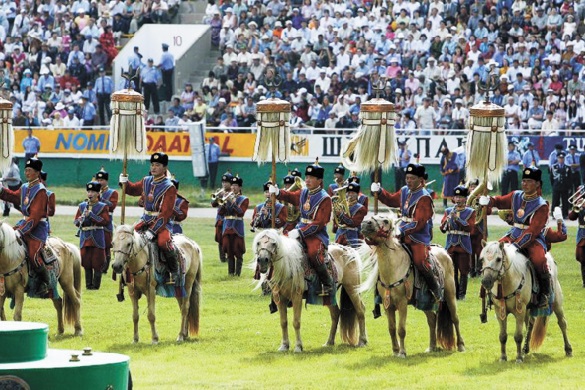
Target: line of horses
[(383, 262)]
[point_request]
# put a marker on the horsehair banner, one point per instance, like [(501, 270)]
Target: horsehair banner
[(198, 149)]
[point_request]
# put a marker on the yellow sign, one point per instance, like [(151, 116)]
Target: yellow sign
[(97, 142)]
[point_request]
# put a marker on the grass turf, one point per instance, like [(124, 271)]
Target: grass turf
[(238, 338)]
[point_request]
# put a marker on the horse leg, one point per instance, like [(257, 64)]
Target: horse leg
[(58, 303), (135, 314), (402, 313), (285, 343), (74, 299), (184, 305), (18, 302), (2, 314), (529, 325), (152, 314), (297, 309), (391, 316), (432, 322), (334, 312), (503, 338), (518, 338), (452, 304), (562, 321), (360, 310)]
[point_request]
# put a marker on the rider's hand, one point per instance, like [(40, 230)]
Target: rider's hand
[(123, 178), (484, 200), (149, 235), (294, 234), (272, 189), (557, 213), (1, 186), (375, 187)]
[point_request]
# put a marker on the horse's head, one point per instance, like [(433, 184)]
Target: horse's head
[(378, 228), (123, 247), (494, 262), (265, 249)]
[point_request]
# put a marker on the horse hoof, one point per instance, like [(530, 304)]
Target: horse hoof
[(519, 360), (154, 342), (461, 348), (329, 344), (526, 350), (431, 350), (503, 359), (401, 355), (180, 339), (283, 348), (78, 333), (569, 354), (298, 349), (362, 344)]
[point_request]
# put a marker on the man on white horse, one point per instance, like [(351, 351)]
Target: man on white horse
[(459, 222), (415, 226), (530, 213), (348, 230), (159, 201), (92, 217), (110, 197), (262, 217), (315, 207), (34, 228)]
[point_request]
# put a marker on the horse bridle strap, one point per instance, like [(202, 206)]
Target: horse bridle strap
[(515, 292), (18, 268), (397, 283), (141, 270)]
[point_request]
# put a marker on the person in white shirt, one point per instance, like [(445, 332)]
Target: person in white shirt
[(459, 115), (511, 110), (71, 121), (323, 81), (340, 108), (426, 117), (550, 126)]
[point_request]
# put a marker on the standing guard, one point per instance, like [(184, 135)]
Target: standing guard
[(179, 211), (459, 222), (233, 207), (92, 217), (561, 184)]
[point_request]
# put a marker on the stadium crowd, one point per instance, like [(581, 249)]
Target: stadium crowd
[(430, 55), (55, 56)]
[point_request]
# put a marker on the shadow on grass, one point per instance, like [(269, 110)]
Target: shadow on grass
[(389, 359), (145, 347), (494, 366)]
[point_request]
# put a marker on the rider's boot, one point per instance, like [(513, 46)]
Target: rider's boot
[(222, 256), (44, 281), (376, 312), (462, 287), (172, 257), (231, 265), (325, 278), (544, 295), (97, 280), (89, 278), (432, 284), (239, 262)]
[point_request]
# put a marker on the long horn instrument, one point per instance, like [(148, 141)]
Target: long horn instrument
[(578, 196)]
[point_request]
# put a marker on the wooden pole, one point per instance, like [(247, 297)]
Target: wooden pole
[(376, 179), (124, 172), (273, 196)]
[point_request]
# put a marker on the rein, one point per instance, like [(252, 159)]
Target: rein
[(132, 253), (15, 270), (502, 271)]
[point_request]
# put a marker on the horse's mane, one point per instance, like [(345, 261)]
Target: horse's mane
[(288, 264), (12, 249)]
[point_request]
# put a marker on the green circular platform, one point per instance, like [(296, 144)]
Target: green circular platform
[(22, 341)]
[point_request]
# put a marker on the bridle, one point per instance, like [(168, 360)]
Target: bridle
[(501, 271), (133, 253)]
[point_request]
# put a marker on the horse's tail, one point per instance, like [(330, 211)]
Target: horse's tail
[(538, 332), (195, 297), (348, 319), (445, 335), (70, 307)]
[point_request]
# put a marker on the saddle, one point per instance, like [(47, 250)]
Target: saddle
[(162, 276), (313, 283), (536, 311), (422, 298)]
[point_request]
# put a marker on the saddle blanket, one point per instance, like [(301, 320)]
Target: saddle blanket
[(314, 284), (423, 299), (162, 276), (33, 282)]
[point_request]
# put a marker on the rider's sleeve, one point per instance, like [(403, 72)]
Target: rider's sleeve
[(293, 198), (422, 213), (390, 200), (353, 220), (502, 202), (536, 225), (36, 211), (134, 189)]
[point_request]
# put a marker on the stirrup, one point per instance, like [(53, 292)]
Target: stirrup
[(171, 279), (325, 292)]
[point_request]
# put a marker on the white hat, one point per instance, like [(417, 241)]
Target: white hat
[(59, 106), (221, 100), (277, 24), (447, 101), (448, 35), (288, 22), (458, 101), (303, 90), (398, 90), (229, 9)]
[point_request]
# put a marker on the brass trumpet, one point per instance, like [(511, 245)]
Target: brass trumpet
[(226, 197), (578, 198), (217, 193), (297, 185), (339, 201)]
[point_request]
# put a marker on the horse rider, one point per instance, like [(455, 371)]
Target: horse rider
[(416, 206), (179, 211), (349, 224), (293, 213), (362, 198), (578, 213), (338, 182), (262, 217), (159, 202), (232, 210), (530, 213), (459, 222), (91, 218), (109, 196), (51, 200), (226, 185), (315, 207), (33, 229)]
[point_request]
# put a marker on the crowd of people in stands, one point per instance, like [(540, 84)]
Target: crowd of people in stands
[(55, 56), (428, 57)]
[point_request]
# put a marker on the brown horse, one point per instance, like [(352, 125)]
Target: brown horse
[(389, 266), (505, 269), (14, 271), (287, 281), (132, 252)]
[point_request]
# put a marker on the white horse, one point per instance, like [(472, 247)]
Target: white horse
[(506, 277), (14, 271), (287, 282), (389, 268), (131, 252)]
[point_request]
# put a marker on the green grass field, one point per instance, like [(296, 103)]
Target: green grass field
[(239, 338)]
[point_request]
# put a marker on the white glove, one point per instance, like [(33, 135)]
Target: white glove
[(272, 189), (375, 187), (557, 213), (484, 200), (1, 186), (123, 178), (294, 234), (149, 235)]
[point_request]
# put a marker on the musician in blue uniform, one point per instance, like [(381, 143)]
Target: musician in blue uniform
[(459, 222), (109, 196), (233, 209), (262, 217), (338, 180), (362, 198), (92, 217), (226, 185), (577, 213), (349, 224), (315, 207), (179, 211), (293, 213)]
